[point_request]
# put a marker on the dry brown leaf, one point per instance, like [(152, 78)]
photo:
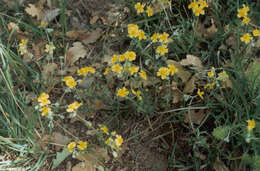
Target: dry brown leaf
[(92, 160), (220, 166), (60, 140), (200, 155), (231, 41), (195, 117), (190, 85), (191, 60), (74, 34), (76, 52), (34, 11), (158, 6), (50, 15), (36, 51), (94, 19), (177, 96), (49, 68), (182, 74), (212, 30), (92, 36), (27, 58), (13, 26), (207, 32)]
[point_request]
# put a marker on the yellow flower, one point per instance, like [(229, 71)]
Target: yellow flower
[(139, 7), (211, 73), (137, 93), (71, 146), (117, 68), (50, 48), (69, 81), (155, 37), (223, 76), (104, 129), (133, 30), (164, 37), (162, 49), (200, 93), (251, 125), (84, 71), (172, 69), (45, 111), (122, 92), (43, 24), (114, 59), (256, 32), (109, 141), (43, 96), (122, 58), (106, 70), (23, 47), (143, 75), (198, 7), (73, 106), (163, 72), (43, 99), (141, 35), (118, 141), (243, 12), (133, 69), (246, 38), (149, 11), (246, 20), (82, 145), (130, 55), (209, 86)]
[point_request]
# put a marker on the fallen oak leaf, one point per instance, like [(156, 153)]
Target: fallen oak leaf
[(75, 53), (92, 36), (92, 160), (34, 11), (192, 60), (74, 34), (182, 74)]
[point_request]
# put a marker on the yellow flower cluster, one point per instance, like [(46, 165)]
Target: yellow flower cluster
[(251, 125), (256, 32), (84, 71), (104, 129), (134, 32), (200, 93), (163, 72), (137, 93), (49, 48), (122, 92), (198, 6), (81, 145), (162, 38), (43, 99), (115, 141), (73, 106), (140, 9), (243, 13), (43, 24), (23, 47), (69, 81), (127, 57)]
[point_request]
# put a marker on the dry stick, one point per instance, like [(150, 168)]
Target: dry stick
[(185, 108), (148, 129), (65, 130)]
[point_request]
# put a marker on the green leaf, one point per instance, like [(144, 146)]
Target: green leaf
[(60, 157)]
